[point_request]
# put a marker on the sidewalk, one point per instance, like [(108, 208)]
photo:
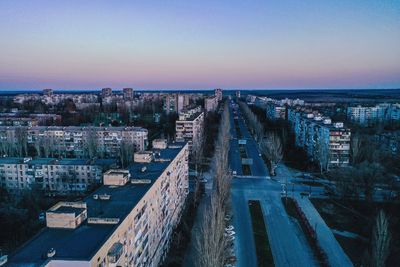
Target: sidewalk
[(326, 239)]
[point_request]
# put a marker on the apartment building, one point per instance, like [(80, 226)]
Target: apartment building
[(54, 176), (127, 93), (175, 102), (105, 92), (73, 140), (211, 103), (275, 112), (190, 127), (325, 142), (218, 94), (370, 115), (18, 121), (128, 221)]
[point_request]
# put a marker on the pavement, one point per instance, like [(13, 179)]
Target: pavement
[(287, 241), (328, 242)]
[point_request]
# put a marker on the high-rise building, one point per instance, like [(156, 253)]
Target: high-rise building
[(210, 103), (105, 92), (128, 221), (190, 127), (128, 93), (48, 92), (218, 94)]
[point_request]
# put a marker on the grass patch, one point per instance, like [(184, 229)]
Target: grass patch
[(263, 249), (359, 217)]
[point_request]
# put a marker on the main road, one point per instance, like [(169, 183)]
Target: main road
[(287, 241)]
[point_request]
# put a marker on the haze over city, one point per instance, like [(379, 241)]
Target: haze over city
[(199, 44)]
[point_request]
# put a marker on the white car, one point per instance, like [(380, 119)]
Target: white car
[(230, 233), (229, 228)]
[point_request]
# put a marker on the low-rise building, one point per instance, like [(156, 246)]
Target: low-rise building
[(127, 222), (54, 176)]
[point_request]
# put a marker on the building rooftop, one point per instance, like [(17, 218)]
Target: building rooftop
[(55, 161), (84, 241)]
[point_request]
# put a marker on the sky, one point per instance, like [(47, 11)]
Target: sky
[(188, 44)]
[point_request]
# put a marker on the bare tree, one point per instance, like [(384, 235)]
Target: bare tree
[(356, 148), (380, 240), (211, 241), (272, 148)]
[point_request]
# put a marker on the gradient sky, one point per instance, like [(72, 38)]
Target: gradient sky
[(199, 44)]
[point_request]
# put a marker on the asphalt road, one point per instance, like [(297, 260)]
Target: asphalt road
[(288, 243)]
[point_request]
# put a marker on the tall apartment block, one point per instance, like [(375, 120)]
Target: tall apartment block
[(105, 92), (47, 92), (128, 221), (73, 140), (54, 176), (218, 94), (175, 102), (127, 93), (211, 103), (190, 127), (325, 142), (275, 112)]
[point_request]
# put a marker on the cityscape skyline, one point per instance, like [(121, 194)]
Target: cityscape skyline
[(179, 45)]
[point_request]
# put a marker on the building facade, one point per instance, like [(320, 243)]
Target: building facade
[(54, 176), (370, 115), (326, 143), (190, 127), (211, 103), (127, 222), (72, 140)]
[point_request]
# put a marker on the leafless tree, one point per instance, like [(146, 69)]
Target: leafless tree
[(323, 155), (211, 241), (380, 240), (91, 143), (272, 148), (356, 148), (126, 153)]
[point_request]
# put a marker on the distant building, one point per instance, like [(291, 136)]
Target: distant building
[(54, 176), (175, 102), (370, 115), (105, 92), (275, 112), (127, 222), (210, 103), (128, 93), (218, 94), (190, 127), (73, 140), (238, 94), (48, 92), (17, 121)]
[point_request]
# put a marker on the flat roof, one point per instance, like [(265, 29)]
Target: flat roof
[(55, 161), (84, 241), (66, 209)]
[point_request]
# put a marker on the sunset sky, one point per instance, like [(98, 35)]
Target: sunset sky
[(199, 44)]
